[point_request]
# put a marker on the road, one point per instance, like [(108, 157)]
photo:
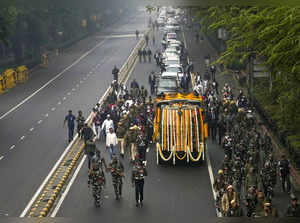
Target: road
[(172, 193), (31, 115)]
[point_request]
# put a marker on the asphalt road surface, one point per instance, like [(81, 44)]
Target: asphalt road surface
[(172, 193), (31, 115)]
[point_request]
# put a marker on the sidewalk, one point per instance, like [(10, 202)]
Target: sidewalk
[(197, 51)]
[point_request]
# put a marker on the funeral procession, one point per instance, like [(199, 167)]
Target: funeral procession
[(149, 110)]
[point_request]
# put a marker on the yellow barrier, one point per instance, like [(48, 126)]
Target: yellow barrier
[(22, 74), (10, 76), (2, 84), (44, 59)]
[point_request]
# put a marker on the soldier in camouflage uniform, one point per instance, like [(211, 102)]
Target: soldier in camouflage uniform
[(117, 172), (96, 179), (250, 201)]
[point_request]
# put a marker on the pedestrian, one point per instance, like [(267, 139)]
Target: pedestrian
[(87, 132), (151, 81), (121, 131), (70, 118), (293, 209), (213, 72), (115, 73), (134, 84), (97, 124), (130, 139), (96, 178), (284, 172), (107, 124), (80, 123), (142, 144), (138, 175), (153, 40), (111, 142), (228, 196), (149, 53), (117, 173), (137, 34), (140, 53), (144, 54), (221, 130), (197, 37), (90, 150), (147, 39)]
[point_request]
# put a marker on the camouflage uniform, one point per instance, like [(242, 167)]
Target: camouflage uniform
[(117, 172), (96, 178)]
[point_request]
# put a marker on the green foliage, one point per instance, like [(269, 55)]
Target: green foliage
[(273, 35)]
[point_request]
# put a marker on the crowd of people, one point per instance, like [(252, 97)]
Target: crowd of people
[(124, 120), (247, 177)]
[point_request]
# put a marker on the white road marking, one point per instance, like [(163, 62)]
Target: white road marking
[(47, 178), (90, 72), (31, 129), (69, 93), (61, 157), (64, 98), (148, 150), (73, 89), (59, 103), (12, 147), (51, 80), (40, 121), (63, 196), (1, 157), (211, 177), (23, 137), (47, 115), (53, 109)]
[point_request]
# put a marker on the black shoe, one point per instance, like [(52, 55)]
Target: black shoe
[(137, 204)]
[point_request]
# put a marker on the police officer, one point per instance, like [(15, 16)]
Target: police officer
[(130, 139), (250, 201), (138, 174), (293, 209), (144, 93), (284, 171), (70, 118), (96, 178), (117, 172), (121, 131)]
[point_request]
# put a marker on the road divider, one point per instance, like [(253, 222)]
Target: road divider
[(54, 185)]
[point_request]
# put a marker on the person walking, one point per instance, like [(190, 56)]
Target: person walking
[(149, 54), (140, 53), (147, 39), (144, 55), (153, 40), (70, 119), (87, 132), (107, 124), (117, 173), (115, 73), (284, 172), (137, 34), (111, 142), (138, 175), (90, 150), (80, 123), (121, 131), (97, 124)]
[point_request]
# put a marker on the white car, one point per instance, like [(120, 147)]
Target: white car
[(175, 71), (170, 52), (171, 60), (171, 36)]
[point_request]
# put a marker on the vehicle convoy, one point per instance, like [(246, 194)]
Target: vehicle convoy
[(180, 130)]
